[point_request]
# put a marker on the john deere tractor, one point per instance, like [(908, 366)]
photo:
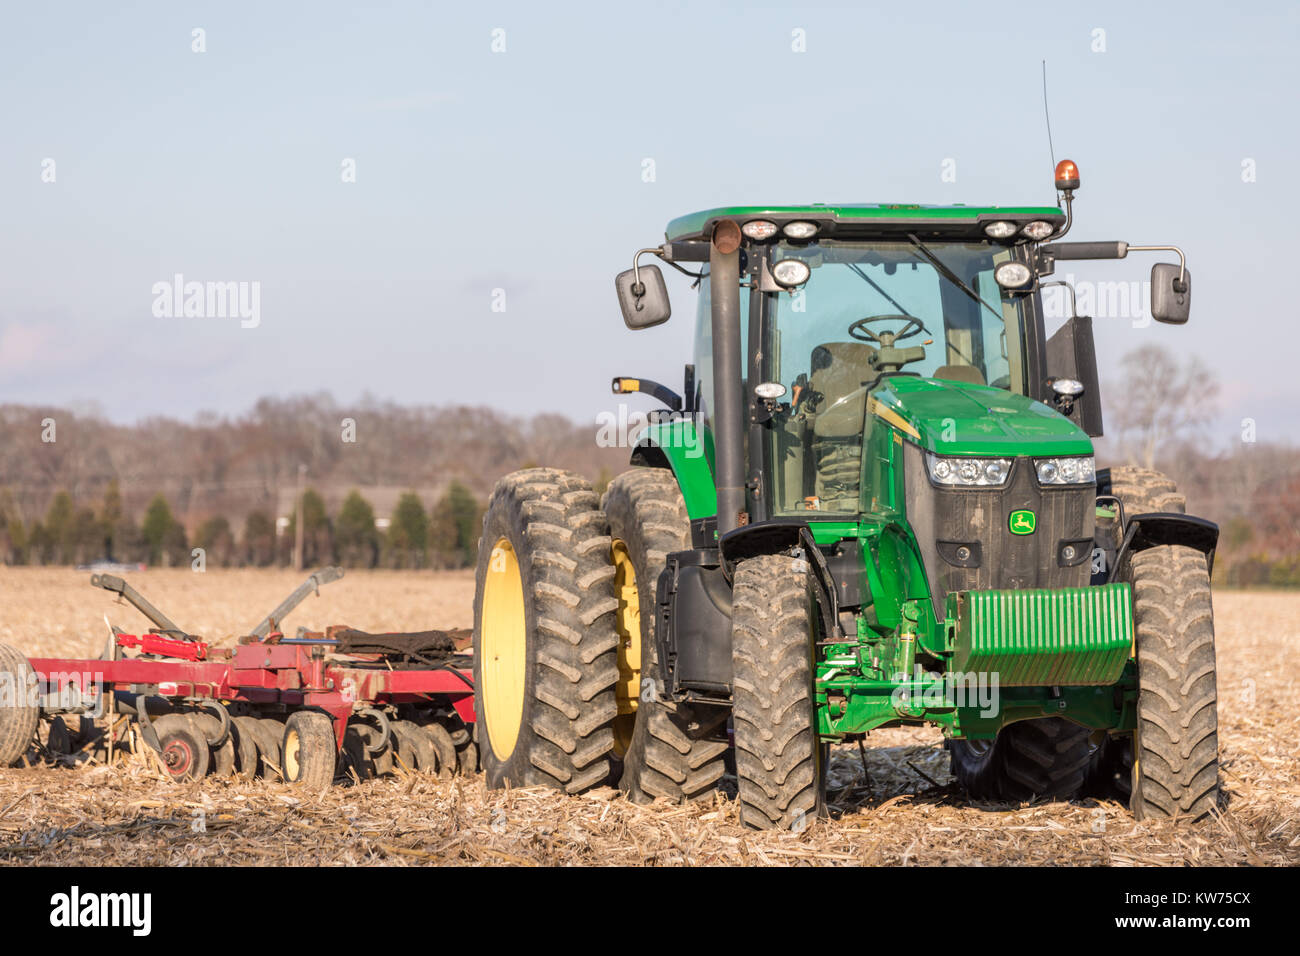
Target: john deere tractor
[(874, 504)]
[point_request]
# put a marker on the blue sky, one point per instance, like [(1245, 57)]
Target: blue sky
[(522, 170)]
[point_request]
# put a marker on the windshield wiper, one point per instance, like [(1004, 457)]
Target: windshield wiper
[(952, 277), (872, 282)]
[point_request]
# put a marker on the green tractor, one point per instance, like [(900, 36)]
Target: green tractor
[(875, 504)]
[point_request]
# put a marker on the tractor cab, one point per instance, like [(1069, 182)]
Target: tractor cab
[(832, 326)]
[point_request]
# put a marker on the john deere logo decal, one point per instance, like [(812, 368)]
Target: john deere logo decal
[(1023, 522)]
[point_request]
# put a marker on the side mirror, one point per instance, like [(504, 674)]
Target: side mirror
[(1171, 297), (644, 303)]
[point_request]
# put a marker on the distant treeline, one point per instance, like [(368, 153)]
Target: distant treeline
[(443, 536), (75, 488), (1253, 493)]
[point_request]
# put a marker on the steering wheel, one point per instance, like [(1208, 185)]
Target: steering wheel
[(912, 326)]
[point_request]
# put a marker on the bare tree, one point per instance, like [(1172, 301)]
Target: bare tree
[(1159, 401)]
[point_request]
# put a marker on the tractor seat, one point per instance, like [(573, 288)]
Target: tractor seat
[(839, 370), (960, 373)]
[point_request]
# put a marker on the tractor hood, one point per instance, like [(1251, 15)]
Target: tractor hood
[(956, 418)]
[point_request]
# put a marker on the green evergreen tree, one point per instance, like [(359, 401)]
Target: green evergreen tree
[(408, 532), (318, 535), (59, 528), (259, 539), (111, 520), (217, 541), (157, 529), (354, 532), (454, 528)]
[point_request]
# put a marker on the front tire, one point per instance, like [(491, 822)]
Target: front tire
[(545, 645), (1175, 770), (672, 751), (778, 766)]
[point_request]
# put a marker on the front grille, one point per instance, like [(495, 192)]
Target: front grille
[(945, 520)]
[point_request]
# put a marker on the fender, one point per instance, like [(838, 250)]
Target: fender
[(1155, 529), (783, 534), (683, 448)]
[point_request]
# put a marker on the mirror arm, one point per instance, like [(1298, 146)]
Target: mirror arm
[(658, 252), (1182, 260), (638, 289)]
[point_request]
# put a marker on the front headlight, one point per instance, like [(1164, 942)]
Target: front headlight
[(1066, 471), (968, 472)]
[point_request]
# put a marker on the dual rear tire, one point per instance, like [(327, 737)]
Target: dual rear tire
[(565, 666)]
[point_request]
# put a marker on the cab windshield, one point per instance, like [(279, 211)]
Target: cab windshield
[(868, 311), (973, 338)]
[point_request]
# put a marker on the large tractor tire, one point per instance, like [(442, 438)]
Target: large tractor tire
[(1046, 759), (669, 751), (19, 712), (545, 644), (778, 760), (1174, 754), (1143, 491)]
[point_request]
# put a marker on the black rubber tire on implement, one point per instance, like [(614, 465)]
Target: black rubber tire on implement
[(674, 752), (243, 731), (778, 759), (309, 752), (19, 713), (1046, 758), (545, 656), (1176, 770), (185, 752)]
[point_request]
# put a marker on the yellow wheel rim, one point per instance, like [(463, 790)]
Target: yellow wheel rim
[(503, 647), (292, 748), (628, 622)]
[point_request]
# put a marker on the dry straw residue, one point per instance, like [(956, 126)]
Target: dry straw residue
[(901, 808)]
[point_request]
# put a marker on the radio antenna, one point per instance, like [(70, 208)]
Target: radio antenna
[(1048, 117)]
